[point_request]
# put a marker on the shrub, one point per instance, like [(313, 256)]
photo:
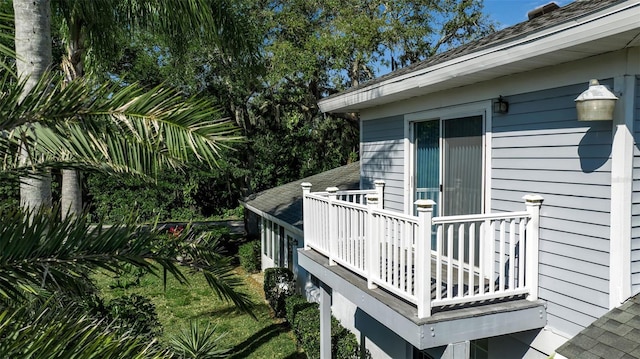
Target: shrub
[(278, 285), (344, 344), (307, 330), (136, 313), (304, 318), (293, 305), (249, 254)]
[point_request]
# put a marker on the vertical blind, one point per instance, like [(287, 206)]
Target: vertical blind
[(427, 176), (462, 180)]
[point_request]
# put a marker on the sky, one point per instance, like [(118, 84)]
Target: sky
[(511, 12)]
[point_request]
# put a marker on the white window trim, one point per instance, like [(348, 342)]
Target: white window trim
[(483, 108)]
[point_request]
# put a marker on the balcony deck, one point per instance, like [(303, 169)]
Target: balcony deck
[(454, 323)]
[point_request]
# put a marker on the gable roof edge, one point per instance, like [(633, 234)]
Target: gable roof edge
[(582, 30)]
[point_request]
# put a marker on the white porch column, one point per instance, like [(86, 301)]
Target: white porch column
[(325, 322), (306, 211), (333, 225), (372, 242), (621, 190), (380, 191), (423, 256), (461, 350), (533, 203)]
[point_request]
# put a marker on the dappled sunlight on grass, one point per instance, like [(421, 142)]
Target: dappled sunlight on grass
[(265, 337)]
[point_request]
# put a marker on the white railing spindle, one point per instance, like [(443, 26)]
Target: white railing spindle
[(512, 254), (372, 241), (333, 225), (502, 256)]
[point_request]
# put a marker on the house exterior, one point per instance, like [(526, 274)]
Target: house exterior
[(506, 226)]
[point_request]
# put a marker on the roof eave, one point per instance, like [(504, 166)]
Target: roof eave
[(497, 61)]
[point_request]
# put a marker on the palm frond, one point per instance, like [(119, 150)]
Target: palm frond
[(216, 21), (109, 127), (6, 32), (41, 332), (194, 342), (38, 250), (70, 145), (219, 274)]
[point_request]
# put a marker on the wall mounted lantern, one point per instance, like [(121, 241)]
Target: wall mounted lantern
[(596, 103), (500, 106)]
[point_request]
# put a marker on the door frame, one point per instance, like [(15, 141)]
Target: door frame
[(483, 108)]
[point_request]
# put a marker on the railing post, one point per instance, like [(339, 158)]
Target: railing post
[(371, 241), (333, 225), (533, 203), (380, 191), (423, 257), (306, 215)]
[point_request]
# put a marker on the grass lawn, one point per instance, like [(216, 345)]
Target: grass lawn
[(247, 337)]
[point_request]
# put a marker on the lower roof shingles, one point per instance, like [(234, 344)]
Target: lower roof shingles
[(285, 202), (616, 335)]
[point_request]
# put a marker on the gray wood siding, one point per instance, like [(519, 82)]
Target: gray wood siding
[(635, 198), (382, 157), (540, 147)]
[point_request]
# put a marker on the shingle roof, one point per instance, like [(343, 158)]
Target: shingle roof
[(567, 13), (614, 335), (285, 202)]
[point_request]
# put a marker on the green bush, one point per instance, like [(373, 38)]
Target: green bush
[(135, 313), (249, 254), (307, 330), (304, 318), (278, 285), (293, 305)]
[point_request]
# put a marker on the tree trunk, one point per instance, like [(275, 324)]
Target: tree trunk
[(71, 193), (33, 50), (73, 67)]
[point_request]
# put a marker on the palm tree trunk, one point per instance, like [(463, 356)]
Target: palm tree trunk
[(73, 67), (71, 193), (33, 50)]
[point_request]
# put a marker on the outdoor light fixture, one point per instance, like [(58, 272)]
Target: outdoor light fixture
[(500, 106), (596, 103)]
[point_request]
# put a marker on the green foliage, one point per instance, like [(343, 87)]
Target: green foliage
[(198, 343), (307, 330), (127, 276), (304, 318), (249, 254), (39, 332), (136, 313), (9, 194), (278, 285), (295, 304), (192, 194)]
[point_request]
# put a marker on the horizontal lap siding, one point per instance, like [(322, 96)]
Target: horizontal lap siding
[(382, 158), (539, 147), (635, 199)]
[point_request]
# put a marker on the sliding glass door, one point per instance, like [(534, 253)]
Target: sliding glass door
[(448, 164)]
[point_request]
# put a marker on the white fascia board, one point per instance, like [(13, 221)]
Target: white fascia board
[(610, 22), (291, 228)]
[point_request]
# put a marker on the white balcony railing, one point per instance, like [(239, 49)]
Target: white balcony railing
[(428, 261)]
